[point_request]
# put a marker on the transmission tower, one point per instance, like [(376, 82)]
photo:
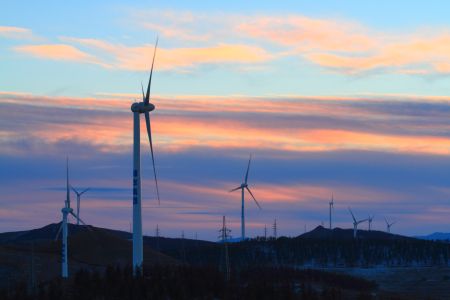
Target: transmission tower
[(224, 237), (274, 227)]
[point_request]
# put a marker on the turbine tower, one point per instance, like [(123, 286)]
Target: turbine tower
[(243, 186), (331, 203), (370, 219), (356, 223), (65, 213), (78, 200), (144, 107), (388, 225)]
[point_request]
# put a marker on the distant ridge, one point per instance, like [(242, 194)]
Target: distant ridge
[(321, 232), (436, 236)]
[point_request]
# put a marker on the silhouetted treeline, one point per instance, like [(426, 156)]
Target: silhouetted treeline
[(325, 253), (190, 282)]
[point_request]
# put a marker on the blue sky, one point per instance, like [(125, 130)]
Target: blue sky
[(338, 97)]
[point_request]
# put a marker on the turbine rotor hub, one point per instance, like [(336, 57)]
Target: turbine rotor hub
[(141, 108)]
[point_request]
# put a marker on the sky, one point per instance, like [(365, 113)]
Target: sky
[(342, 98)]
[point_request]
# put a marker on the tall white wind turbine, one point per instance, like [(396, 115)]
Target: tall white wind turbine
[(243, 186), (144, 107), (355, 223), (388, 225), (78, 200), (65, 213), (331, 203)]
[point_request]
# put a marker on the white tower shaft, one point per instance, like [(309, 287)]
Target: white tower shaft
[(65, 270), (137, 214), (78, 208), (242, 217), (355, 229), (330, 215)]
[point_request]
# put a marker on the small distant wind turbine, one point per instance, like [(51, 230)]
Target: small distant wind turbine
[(355, 223), (370, 219), (388, 225), (331, 203), (78, 200), (144, 107), (65, 213), (243, 186)]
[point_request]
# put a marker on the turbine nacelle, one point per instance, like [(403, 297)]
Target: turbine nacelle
[(67, 210), (141, 107)]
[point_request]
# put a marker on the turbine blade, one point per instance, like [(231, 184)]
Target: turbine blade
[(393, 223), (248, 168), (67, 181), (149, 133), (73, 189), (76, 217), (362, 221), (84, 191), (59, 231), (386, 221), (235, 189), (253, 197), (147, 96), (143, 95), (352, 214)]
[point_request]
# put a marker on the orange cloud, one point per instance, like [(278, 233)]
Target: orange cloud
[(15, 32), (59, 52), (131, 58), (431, 54), (174, 32), (183, 123), (309, 34)]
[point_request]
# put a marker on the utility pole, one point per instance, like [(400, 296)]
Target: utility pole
[(183, 252), (274, 227), (32, 271), (224, 236), (157, 237), (331, 208)]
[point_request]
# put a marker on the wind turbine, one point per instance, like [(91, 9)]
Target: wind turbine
[(243, 186), (78, 200), (144, 107), (331, 203), (370, 219), (65, 213), (355, 223), (388, 225)]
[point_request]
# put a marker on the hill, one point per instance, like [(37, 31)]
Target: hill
[(321, 232), (89, 247)]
